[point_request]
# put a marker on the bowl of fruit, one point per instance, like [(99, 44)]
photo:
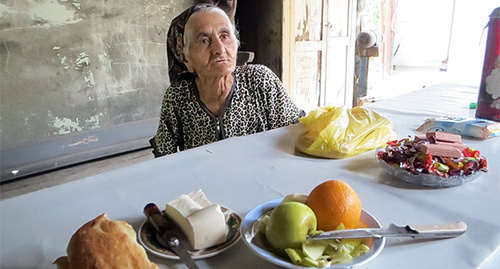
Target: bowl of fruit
[(278, 230), (435, 159)]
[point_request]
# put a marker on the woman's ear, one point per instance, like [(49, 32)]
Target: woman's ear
[(187, 63)]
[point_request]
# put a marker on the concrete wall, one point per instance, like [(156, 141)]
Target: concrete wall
[(73, 65), (79, 79)]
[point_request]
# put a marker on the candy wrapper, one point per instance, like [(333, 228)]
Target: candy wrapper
[(339, 132), (472, 127)]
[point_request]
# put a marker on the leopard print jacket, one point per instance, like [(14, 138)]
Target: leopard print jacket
[(257, 102)]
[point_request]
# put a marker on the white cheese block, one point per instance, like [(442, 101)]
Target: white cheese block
[(202, 222)]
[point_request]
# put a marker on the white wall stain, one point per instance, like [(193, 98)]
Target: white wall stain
[(52, 13), (95, 120), (7, 10), (86, 140), (75, 3), (63, 62), (82, 60), (89, 78), (62, 58), (46, 13), (66, 125), (105, 61), (82, 63)]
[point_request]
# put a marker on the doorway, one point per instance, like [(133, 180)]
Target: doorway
[(430, 42), (318, 52)]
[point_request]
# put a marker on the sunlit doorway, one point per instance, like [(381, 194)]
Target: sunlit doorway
[(426, 42)]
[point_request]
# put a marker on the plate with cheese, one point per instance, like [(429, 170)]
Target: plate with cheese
[(209, 228)]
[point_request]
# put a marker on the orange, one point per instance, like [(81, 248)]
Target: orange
[(335, 202)]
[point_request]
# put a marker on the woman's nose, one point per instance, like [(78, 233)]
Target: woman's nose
[(218, 46)]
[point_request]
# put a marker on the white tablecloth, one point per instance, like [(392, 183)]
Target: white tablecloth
[(241, 173)]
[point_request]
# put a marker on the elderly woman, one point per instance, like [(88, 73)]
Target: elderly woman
[(176, 68), (218, 99)]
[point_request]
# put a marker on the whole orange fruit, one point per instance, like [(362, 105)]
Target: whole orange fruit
[(335, 202)]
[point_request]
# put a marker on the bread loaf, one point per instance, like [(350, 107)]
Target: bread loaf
[(103, 243)]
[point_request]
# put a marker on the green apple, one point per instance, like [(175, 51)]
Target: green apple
[(289, 225)]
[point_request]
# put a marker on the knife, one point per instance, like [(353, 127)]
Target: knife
[(171, 233), (447, 230)]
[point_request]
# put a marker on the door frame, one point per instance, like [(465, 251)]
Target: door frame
[(289, 48)]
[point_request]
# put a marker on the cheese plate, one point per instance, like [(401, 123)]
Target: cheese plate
[(148, 238)]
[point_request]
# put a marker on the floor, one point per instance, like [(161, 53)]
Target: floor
[(402, 80), (36, 182), (405, 79)]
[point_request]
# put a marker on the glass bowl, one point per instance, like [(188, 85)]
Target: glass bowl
[(422, 179)]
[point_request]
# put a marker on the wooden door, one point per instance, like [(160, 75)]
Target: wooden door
[(318, 60)]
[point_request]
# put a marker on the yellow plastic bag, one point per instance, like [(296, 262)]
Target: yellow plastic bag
[(339, 132)]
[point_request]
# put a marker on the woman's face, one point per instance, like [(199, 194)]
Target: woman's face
[(212, 46)]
